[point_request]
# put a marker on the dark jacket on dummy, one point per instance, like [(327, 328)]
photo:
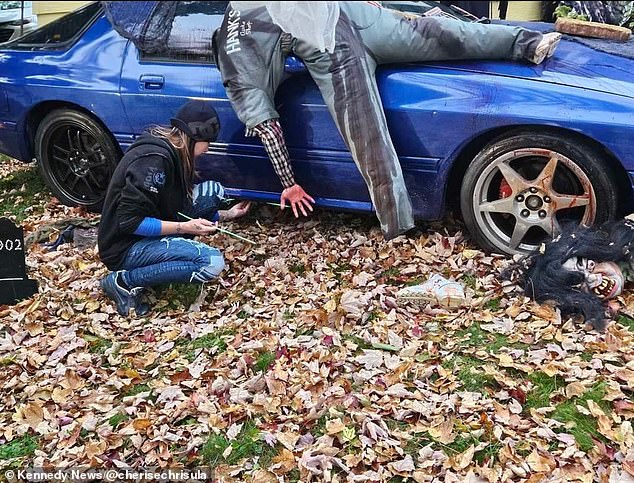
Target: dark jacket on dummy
[(249, 53)]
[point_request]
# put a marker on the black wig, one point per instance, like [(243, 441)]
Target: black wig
[(545, 279)]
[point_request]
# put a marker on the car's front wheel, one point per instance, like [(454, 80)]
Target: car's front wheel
[(521, 188), (76, 157)]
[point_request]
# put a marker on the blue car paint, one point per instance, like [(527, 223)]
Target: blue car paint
[(434, 111)]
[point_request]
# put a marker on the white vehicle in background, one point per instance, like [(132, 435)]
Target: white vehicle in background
[(16, 19)]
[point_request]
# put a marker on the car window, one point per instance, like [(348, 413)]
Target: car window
[(60, 33), (190, 40)]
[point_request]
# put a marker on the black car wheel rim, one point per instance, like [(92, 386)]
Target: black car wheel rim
[(524, 196), (78, 163)]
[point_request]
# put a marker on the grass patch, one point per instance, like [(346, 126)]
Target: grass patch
[(544, 386), (472, 336), (118, 418), (264, 361), (22, 202), (248, 444), (137, 389), (338, 269), (319, 428), (18, 448), (358, 341), (214, 342), (493, 304), (297, 268), (96, 344), (581, 426), (414, 281), (178, 295), (462, 443), (626, 321), (469, 373), (475, 336), (418, 442), (187, 421), (586, 356), (488, 453), (390, 272), (469, 281), (373, 315), (8, 360)]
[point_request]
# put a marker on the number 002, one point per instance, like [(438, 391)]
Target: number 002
[(11, 245)]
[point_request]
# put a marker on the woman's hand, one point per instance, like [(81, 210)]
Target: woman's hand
[(297, 198), (199, 226), (236, 211)]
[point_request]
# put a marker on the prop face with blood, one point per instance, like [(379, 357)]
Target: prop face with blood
[(582, 269), (604, 279)]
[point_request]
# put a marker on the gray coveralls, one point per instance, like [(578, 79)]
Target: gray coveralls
[(366, 36)]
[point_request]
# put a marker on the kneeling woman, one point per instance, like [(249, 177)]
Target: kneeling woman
[(140, 236)]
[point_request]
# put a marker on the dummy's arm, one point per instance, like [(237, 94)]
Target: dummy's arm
[(270, 132)]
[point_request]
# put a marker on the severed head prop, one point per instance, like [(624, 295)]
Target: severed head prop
[(581, 269)]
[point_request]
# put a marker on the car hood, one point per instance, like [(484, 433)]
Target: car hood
[(574, 64)]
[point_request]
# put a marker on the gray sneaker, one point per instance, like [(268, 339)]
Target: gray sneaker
[(546, 47), (123, 298)]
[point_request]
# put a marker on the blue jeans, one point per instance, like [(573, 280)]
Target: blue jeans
[(169, 259)]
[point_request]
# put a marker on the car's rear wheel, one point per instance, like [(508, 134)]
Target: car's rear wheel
[(521, 188), (76, 157)]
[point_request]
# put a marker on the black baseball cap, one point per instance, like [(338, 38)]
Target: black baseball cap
[(198, 119)]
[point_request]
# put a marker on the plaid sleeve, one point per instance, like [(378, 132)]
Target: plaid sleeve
[(270, 132)]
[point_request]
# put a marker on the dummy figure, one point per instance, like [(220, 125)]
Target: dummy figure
[(341, 44), (581, 269)]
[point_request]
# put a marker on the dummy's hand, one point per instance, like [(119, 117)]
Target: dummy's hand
[(199, 226), (236, 211), (297, 198)]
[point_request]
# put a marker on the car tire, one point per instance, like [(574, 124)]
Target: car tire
[(510, 205), (76, 157)]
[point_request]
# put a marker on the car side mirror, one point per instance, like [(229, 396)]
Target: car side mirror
[(294, 65)]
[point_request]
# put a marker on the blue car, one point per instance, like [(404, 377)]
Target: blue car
[(518, 149)]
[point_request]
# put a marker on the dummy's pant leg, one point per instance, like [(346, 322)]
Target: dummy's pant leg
[(207, 197), (347, 84), (393, 38)]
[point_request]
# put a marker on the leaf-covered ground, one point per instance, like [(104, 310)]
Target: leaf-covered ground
[(299, 365)]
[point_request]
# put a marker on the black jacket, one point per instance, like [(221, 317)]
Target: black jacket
[(148, 182)]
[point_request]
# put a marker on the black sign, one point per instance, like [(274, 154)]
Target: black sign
[(14, 284)]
